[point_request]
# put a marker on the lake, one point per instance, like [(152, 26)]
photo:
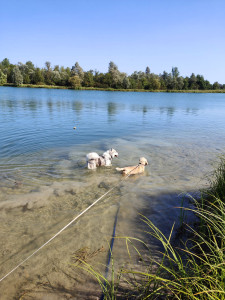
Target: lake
[(44, 182)]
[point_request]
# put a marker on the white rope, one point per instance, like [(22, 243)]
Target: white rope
[(84, 211)]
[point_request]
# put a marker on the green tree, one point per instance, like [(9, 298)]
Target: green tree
[(48, 65), (114, 74), (193, 82), (7, 69), (169, 82), (29, 72), (64, 75), (3, 77), (147, 71), (77, 71), (117, 77), (180, 83), (126, 83), (75, 82), (162, 82), (56, 77), (112, 67), (30, 65), (175, 77), (139, 80), (9, 72), (38, 77), (56, 68), (5, 63), (24, 71), (76, 77), (48, 73), (154, 82), (216, 85), (201, 82), (17, 77), (186, 83), (208, 85), (175, 72), (165, 80), (88, 80)]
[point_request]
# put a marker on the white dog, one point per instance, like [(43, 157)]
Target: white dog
[(94, 160)]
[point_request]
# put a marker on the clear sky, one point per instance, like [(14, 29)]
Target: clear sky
[(133, 34)]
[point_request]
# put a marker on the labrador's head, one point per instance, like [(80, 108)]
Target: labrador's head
[(143, 161)]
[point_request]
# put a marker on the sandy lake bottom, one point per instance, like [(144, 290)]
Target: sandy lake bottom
[(36, 203), (44, 182)]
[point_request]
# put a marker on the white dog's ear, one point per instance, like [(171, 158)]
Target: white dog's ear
[(111, 149)]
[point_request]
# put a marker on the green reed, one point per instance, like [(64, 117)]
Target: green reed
[(194, 270)]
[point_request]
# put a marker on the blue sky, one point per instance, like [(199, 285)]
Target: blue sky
[(134, 34)]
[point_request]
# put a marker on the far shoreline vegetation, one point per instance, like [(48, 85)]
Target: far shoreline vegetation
[(109, 89), (27, 75)]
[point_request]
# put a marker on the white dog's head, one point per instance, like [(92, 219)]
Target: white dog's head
[(113, 153), (143, 161)]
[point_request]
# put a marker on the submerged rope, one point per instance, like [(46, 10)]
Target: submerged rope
[(110, 250), (84, 211)]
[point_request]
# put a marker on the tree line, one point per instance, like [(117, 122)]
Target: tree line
[(76, 78)]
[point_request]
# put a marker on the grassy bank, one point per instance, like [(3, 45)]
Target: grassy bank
[(114, 90), (193, 270)]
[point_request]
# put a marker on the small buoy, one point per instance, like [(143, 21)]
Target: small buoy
[(74, 127)]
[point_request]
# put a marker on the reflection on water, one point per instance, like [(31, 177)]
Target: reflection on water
[(88, 104), (112, 108), (34, 119), (77, 106), (44, 181)]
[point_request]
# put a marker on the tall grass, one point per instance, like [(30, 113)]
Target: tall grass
[(194, 270)]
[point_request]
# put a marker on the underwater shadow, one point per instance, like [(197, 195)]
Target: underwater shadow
[(166, 211)]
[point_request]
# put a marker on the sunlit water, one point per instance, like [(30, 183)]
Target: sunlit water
[(44, 182)]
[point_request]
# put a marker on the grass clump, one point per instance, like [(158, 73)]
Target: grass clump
[(193, 270)]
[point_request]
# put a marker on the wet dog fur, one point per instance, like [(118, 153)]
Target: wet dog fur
[(138, 169), (94, 160)]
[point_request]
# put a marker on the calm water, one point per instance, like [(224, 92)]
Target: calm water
[(44, 182), (42, 119)]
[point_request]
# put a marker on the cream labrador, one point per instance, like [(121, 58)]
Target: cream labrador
[(94, 160), (135, 169)]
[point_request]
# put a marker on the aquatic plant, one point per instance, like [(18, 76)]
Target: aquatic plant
[(193, 270)]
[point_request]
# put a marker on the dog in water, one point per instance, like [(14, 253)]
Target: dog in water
[(135, 169), (94, 160)]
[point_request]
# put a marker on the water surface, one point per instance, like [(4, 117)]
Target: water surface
[(44, 182)]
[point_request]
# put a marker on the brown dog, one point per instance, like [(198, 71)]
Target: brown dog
[(135, 169)]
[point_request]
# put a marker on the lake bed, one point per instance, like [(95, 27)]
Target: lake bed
[(44, 182)]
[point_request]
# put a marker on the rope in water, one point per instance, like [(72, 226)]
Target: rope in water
[(110, 250), (84, 211)]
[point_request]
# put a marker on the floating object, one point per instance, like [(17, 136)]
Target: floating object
[(74, 127)]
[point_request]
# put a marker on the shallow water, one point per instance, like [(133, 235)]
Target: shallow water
[(44, 182)]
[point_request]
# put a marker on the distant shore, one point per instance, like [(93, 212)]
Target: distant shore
[(111, 89)]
